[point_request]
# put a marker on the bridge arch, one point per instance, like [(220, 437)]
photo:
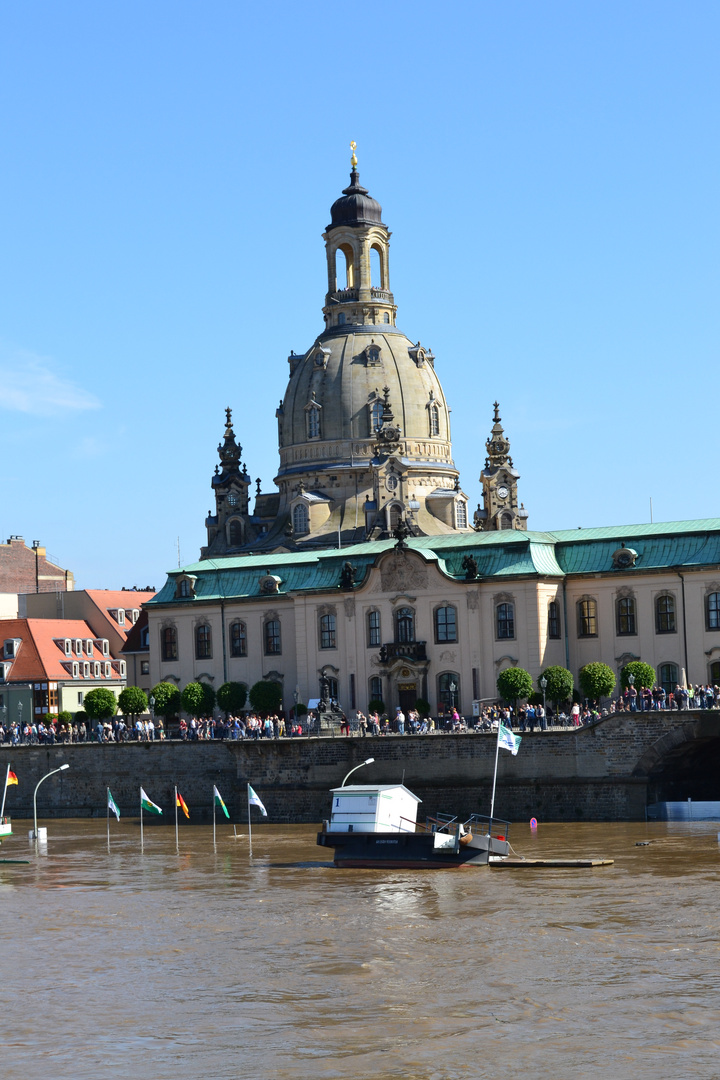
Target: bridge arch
[(684, 762)]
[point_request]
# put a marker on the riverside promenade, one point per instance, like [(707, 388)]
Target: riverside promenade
[(608, 771)]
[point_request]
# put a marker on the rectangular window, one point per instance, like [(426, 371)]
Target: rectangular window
[(587, 618), (352, 692), (445, 624), (272, 638), (553, 619), (80, 697), (505, 621), (328, 632), (144, 667), (373, 629)]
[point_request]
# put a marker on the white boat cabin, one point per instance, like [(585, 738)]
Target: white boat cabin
[(373, 808)]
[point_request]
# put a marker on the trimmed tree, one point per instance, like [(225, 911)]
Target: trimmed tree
[(514, 683), (560, 684), (231, 697), (198, 699), (266, 696), (167, 699), (132, 701), (597, 680), (376, 705), (644, 675), (422, 707), (100, 704)]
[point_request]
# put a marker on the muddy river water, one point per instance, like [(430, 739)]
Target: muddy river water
[(206, 963)]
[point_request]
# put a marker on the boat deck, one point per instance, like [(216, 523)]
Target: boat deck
[(498, 863)]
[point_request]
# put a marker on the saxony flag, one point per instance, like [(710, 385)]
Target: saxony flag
[(183, 805), (148, 804), (219, 802), (11, 778), (255, 800), (112, 805)]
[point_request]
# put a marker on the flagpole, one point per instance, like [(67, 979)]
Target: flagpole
[(177, 841), (142, 838), (7, 777), (249, 821), (213, 800), (492, 801), (108, 816)]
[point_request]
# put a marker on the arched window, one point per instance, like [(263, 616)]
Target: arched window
[(714, 673), (448, 691), (506, 521), (434, 414), (668, 676), (373, 629), (344, 268), (342, 318), (386, 316), (169, 643), (505, 621), (235, 533), (272, 637), (328, 636), (404, 625), (553, 619), (301, 519), (625, 611), (395, 516), (238, 639), (375, 689), (587, 617), (376, 275), (184, 589), (203, 642), (445, 624), (332, 687), (376, 414), (313, 423), (461, 514), (712, 609), (665, 614)]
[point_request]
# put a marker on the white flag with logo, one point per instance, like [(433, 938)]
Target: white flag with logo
[(508, 739), (255, 800)]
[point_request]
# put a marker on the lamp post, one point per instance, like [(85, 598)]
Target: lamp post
[(368, 761), (52, 773), (631, 683), (543, 687), (296, 698), (151, 703), (453, 688)]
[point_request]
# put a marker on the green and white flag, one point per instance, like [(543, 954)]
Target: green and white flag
[(219, 803), (148, 804), (112, 805), (508, 740), (254, 800)]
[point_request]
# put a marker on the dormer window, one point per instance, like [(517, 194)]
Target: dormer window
[(185, 587), (108, 670), (10, 648), (78, 647), (376, 415), (88, 647), (301, 519), (67, 644), (434, 414), (120, 616), (86, 670), (134, 615), (372, 355), (96, 670), (75, 670), (123, 669), (461, 514)]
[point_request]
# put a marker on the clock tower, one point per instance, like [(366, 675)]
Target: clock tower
[(500, 509)]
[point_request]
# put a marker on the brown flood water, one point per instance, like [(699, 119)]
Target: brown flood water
[(206, 964)]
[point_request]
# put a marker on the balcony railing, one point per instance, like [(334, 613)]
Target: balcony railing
[(403, 650), (381, 294), (343, 296)]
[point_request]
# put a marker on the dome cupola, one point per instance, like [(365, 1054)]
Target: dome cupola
[(356, 207)]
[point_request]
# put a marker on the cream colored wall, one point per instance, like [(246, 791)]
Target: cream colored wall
[(302, 658)]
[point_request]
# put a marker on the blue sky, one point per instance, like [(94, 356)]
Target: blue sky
[(550, 175)]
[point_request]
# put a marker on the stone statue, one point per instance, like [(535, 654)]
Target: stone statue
[(347, 576), (401, 533), (470, 566)]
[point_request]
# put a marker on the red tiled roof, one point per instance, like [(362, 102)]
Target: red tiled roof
[(42, 653), (107, 600)]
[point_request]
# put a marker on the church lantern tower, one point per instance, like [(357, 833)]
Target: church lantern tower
[(499, 479)]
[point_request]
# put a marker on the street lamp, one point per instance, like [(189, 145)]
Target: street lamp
[(52, 773), (631, 683), (543, 687), (368, 761), (453, 688)]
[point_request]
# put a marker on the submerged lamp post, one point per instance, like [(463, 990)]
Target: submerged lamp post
[(368, 761), (52, 773), (543, 687)]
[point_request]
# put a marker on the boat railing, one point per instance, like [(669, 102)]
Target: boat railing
[(492, 826)]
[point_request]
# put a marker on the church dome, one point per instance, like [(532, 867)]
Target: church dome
[(355, 206)]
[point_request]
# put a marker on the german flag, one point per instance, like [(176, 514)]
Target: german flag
[(11, 778), (182, 804)]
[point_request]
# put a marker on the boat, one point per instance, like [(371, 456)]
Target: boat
[(376, 826)]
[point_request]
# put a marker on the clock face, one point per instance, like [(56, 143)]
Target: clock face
[(502, 492)]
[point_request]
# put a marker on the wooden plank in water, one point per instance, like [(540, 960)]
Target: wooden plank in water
[(498, 863)]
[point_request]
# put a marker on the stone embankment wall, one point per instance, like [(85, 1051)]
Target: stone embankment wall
[(596, 773)]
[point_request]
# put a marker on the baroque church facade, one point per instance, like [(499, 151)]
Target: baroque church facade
[(365, 567)]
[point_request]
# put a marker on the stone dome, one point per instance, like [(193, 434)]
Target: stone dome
[(355, 206)]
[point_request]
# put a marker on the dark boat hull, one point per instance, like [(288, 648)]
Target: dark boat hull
[(412, 851)]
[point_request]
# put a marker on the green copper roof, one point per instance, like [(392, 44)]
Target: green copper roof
[(498, 555)]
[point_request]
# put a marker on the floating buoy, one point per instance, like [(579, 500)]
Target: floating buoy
[(533, 823)]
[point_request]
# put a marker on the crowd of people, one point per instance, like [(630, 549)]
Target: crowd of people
[(525, 717)]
